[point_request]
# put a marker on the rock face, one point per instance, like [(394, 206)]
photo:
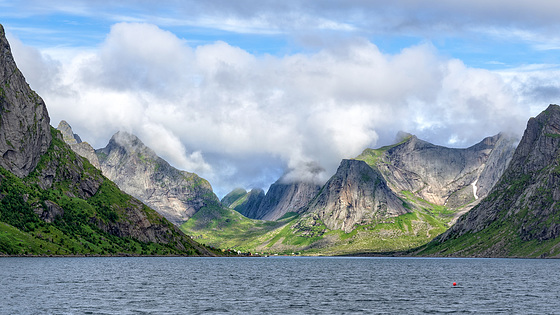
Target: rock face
[(63, 203), (283, 197), (60, 167), (24, 121), (138, 171), (249, 204), (524, 206), (84, 149), (446, 176), (356, 194)]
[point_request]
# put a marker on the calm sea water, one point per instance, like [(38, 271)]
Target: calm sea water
[(300, 285)]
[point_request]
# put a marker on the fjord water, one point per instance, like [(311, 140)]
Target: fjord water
[(302, 285)]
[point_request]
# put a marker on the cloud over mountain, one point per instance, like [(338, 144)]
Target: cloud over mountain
[(241, 119)]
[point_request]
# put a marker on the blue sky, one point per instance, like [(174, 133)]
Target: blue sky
[(487, 34), (242, 91)]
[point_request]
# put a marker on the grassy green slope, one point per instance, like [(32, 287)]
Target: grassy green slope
[(233, 197), (225, 228), (79, 229)]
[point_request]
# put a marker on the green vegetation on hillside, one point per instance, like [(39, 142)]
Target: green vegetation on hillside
[(225, 228), (503, 232), (233, 196), (373, 156), (228, 229), (72, 225), (519, 228)]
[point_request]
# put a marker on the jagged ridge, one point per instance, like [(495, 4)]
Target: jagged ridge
[(521, 215), (53, 201), (138, 171)]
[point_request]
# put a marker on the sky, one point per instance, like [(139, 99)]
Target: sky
[(243, 92)]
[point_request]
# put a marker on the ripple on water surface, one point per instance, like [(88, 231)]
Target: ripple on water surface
[(280, 285)]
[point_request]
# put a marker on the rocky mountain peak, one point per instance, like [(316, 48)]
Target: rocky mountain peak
[(140, 172), (67, 134), (539, 145), (524, 206), (84, 149), (357, 194), (128, 142), (445, 176), (24, 120)]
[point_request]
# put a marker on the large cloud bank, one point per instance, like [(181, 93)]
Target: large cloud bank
[(240, 119)]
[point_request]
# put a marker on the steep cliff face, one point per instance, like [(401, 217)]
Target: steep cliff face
[(521, 215), (24, 121), (357, 194), (440, 175), (84, 149), (283, 197), (53, 201), (250, 203), (138, 171)]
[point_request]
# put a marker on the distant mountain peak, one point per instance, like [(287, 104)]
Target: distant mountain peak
[(520, 215), (140, 172), (128, 141), (67, 134), (402, 136), (84, 149)]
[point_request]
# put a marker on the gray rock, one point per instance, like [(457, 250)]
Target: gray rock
[(51, 212), (24, 120), (357, 194), (285, 196), (83, 149), (526, 199), (446, 176), (138, 171), (67, 134)]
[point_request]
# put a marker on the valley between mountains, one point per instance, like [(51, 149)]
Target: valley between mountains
[(60, 196), (388, 199)]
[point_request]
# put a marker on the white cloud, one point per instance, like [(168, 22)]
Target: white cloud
[(240, 120)]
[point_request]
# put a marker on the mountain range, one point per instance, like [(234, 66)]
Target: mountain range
[(54, 202), (521, 215), (59, 195), (392, 198)]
